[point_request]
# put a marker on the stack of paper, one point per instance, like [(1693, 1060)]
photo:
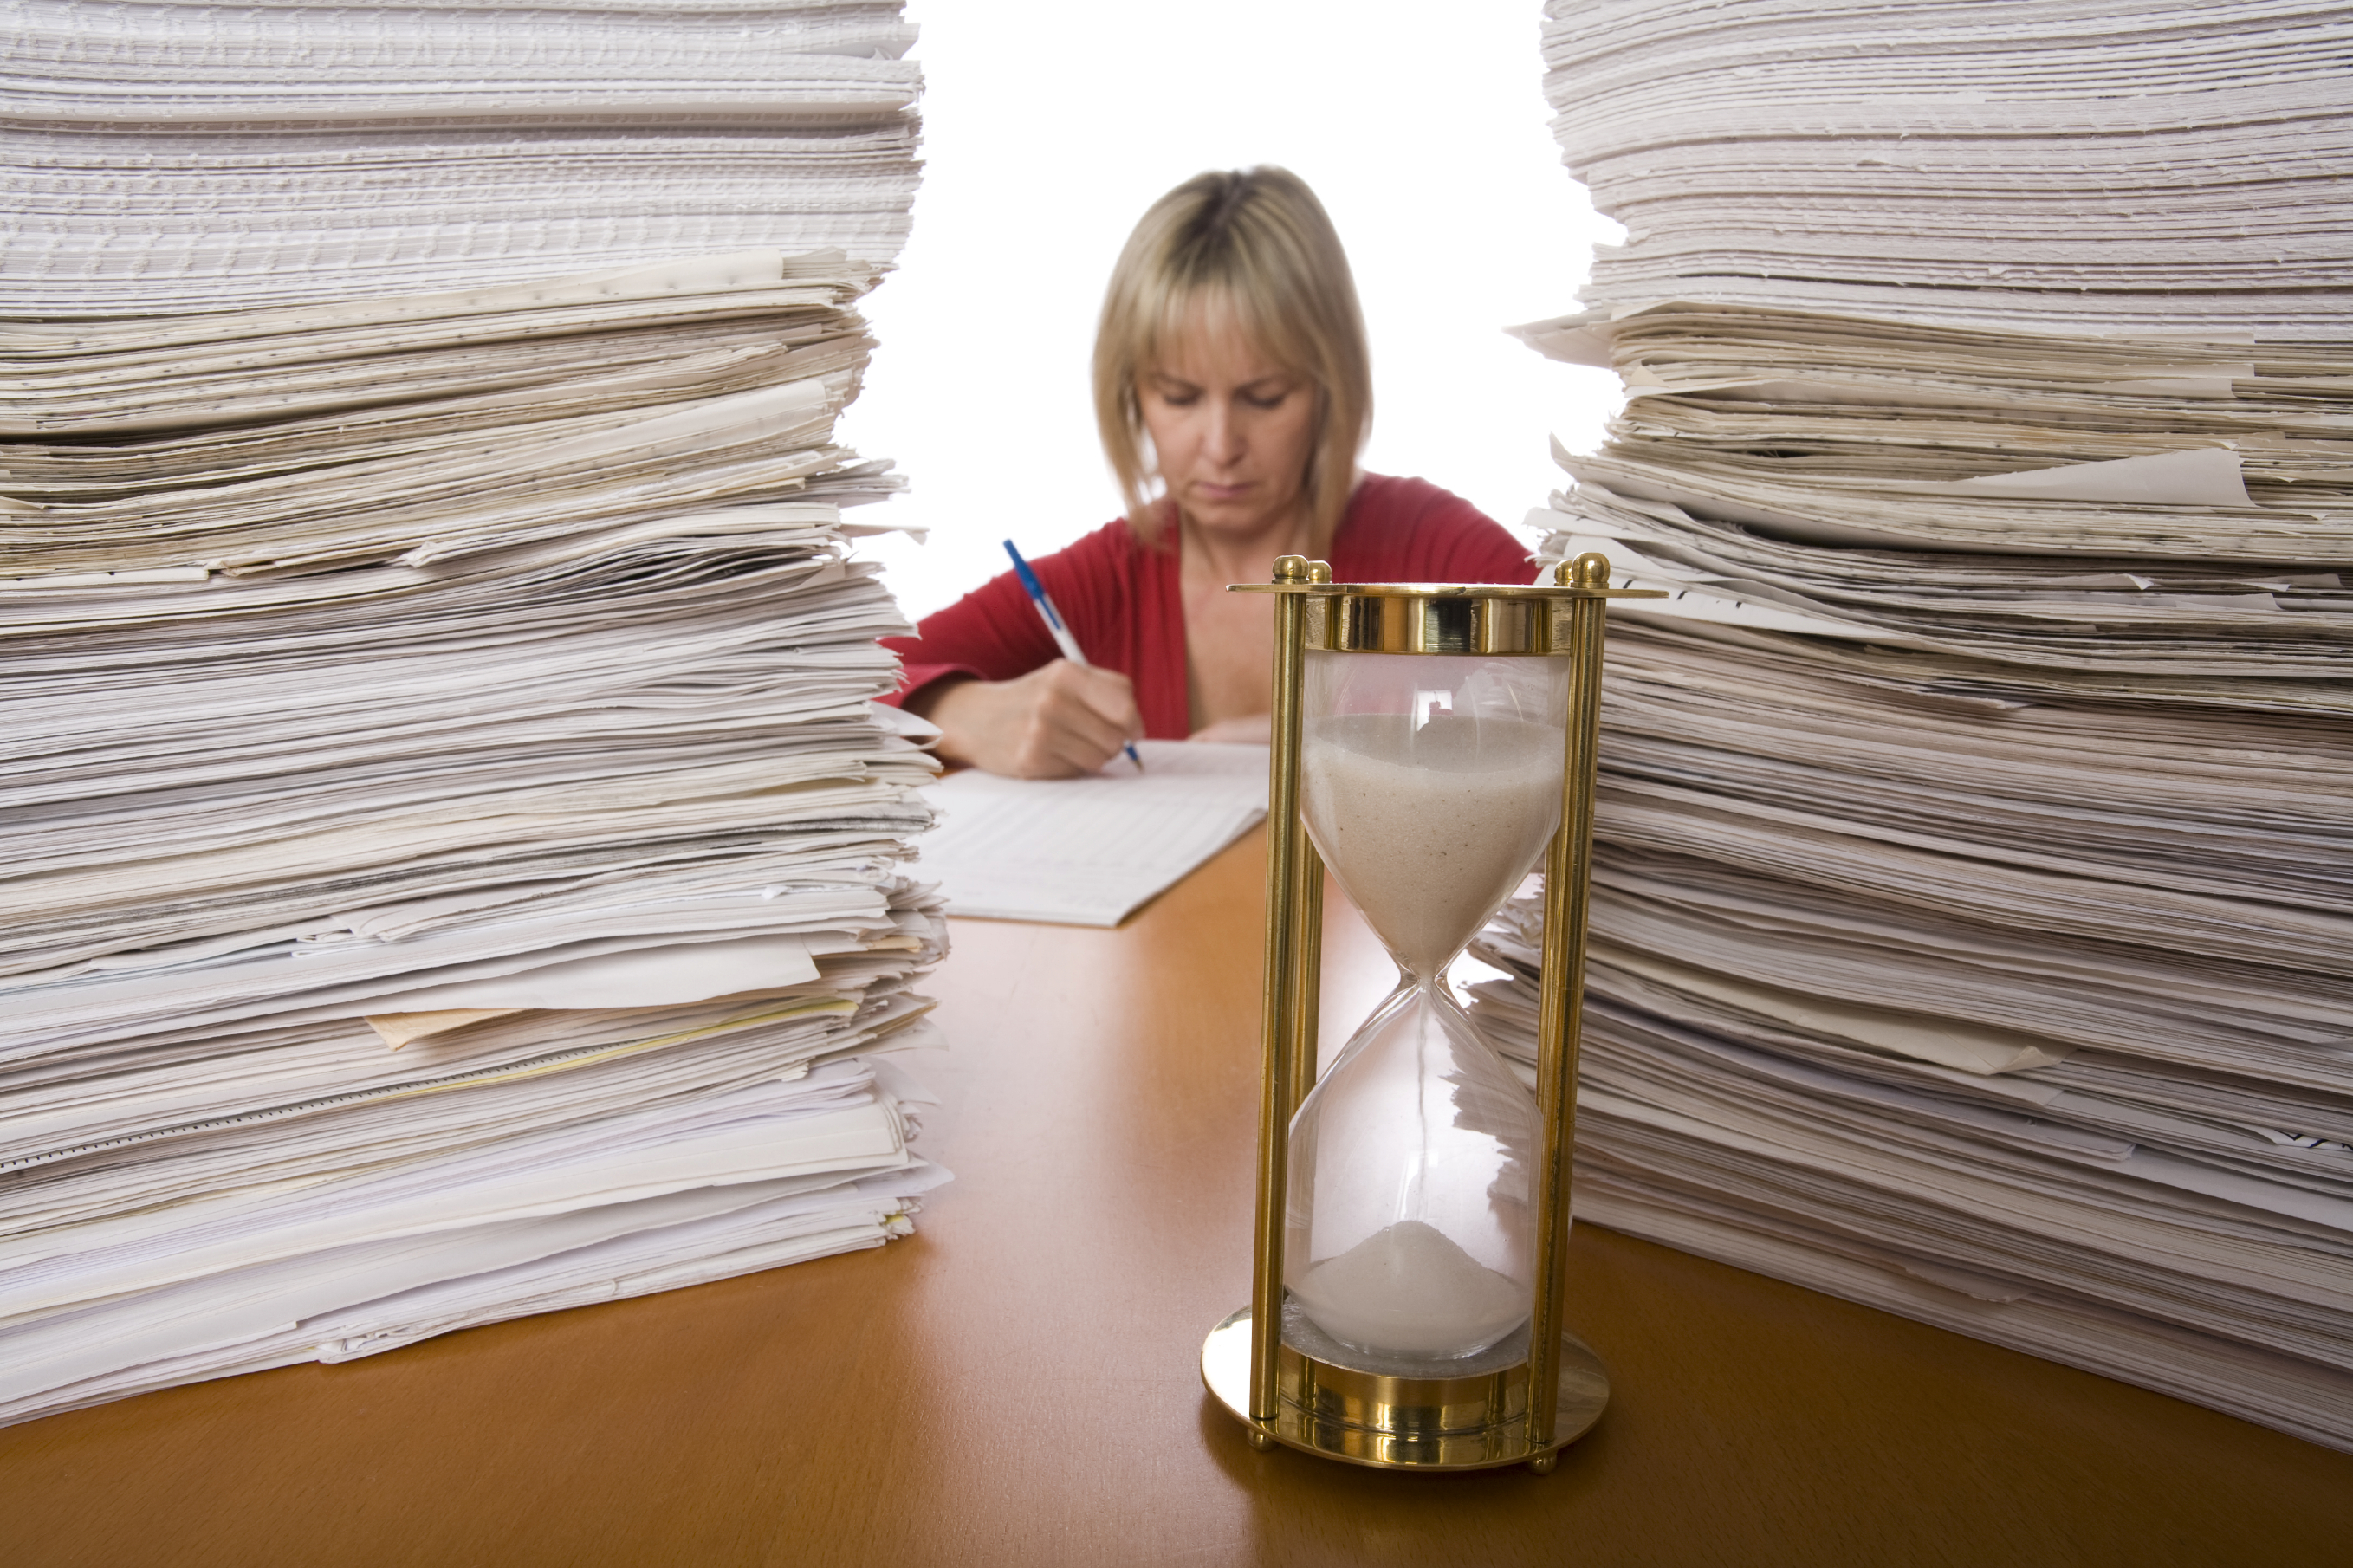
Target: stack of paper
[(1973, 924), (454, 865), (2154, 167), (168, 156)]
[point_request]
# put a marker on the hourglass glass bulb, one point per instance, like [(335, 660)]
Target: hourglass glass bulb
[(1430, 784), (1409, 1200)]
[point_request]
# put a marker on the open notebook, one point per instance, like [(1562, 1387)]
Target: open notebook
[(1090, 851)]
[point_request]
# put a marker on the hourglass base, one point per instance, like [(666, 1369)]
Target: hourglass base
[(1475, 1422)]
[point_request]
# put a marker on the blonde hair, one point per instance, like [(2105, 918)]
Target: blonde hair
[(1257, 241)]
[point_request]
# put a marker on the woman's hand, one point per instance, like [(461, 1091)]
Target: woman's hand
[(1057, 722)]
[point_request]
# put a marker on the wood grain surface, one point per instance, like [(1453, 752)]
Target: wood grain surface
[(1019, 1384)]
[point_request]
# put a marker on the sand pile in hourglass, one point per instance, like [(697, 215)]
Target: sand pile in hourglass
[(1429, 823), (1429, 828)]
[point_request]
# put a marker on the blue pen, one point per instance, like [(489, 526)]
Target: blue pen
[(1054, 617)]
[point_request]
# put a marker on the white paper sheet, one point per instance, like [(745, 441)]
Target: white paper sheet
[(646, 977), (1090, 851)]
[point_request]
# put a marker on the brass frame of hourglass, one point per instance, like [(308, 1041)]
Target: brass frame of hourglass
[(1524, 1414)]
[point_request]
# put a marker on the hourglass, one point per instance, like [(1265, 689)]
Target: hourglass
[(1431, 742)]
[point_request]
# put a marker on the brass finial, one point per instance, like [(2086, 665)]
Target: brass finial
[(1291, 568), (1319, 571), (1591, 570)]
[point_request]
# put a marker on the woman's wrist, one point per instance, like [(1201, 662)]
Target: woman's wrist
[(925, 703), (941, 702)]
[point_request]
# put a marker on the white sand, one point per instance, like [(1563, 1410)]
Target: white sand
[(1407, 1289), (1429, 832)]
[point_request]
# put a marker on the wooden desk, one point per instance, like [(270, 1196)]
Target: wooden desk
[(1018, 1384)]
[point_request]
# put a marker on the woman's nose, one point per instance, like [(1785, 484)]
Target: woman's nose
[(1223, 439)]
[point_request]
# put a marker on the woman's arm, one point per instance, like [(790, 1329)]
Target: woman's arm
[(1059, 721), (987, 671)]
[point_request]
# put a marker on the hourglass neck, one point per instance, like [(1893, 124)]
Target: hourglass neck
[(1410, 978)]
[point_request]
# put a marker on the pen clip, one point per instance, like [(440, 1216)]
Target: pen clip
[(1037, 589)]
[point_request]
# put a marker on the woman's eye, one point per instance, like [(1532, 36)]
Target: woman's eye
[(1266, 399)]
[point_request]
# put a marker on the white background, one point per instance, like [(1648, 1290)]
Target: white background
[(1050, 125)]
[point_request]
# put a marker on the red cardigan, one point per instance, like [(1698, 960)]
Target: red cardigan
[(1123, 602)]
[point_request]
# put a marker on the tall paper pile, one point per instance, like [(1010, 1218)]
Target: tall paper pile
[(1974, 894), (454, 868), (168, 156)]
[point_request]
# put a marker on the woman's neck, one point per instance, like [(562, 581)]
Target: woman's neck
[(1249, 558), (1227, 634)]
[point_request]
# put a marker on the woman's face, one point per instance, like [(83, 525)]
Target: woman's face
[(1232, 429)]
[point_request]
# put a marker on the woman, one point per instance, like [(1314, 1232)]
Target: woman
[(1230, 366)]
